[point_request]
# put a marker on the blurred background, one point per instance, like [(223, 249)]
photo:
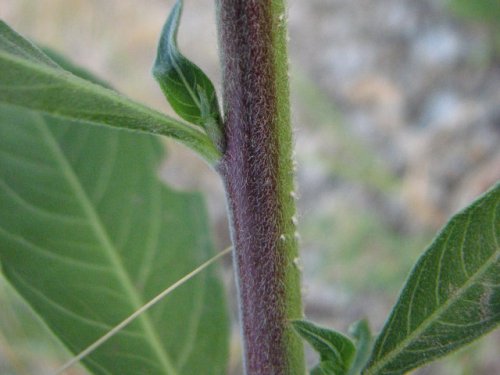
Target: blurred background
[(396, 110)]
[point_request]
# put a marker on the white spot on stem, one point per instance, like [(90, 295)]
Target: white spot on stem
[(298, 263)]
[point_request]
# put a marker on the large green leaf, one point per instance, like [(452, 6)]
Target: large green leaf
[(28, 78), (452, 296), (88, 234), (188, 90)]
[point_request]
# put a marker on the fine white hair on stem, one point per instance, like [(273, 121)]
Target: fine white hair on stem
[(138, 312)]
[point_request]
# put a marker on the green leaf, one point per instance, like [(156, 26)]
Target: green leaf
[(363, 341), (188, 90), (451, 297), (88, 234), (29, 79), (14, 44), (68, 65), (336, 351)]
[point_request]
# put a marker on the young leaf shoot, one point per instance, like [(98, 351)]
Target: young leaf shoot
[(188, 90)]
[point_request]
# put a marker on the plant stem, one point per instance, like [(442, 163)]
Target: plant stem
[(257, 171)]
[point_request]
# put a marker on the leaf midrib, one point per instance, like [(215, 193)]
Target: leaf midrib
[(183, 78), (429, 320), (159, 124), (107, 245), (328, 344), (171, 53)]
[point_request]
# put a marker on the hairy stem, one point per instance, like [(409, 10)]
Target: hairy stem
[(257, 170)]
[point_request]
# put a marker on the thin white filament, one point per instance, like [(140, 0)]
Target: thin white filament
[(138, 312)]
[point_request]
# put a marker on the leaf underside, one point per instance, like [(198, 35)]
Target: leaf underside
[(451, 297), (363, 340), (336, 350), (30, 79), (88, 234)]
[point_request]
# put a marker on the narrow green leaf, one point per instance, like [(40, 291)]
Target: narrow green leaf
[(451, 297), (68, 65), (188, 90), (336, 351), (14, 44), (363, 341), (29, 79)]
